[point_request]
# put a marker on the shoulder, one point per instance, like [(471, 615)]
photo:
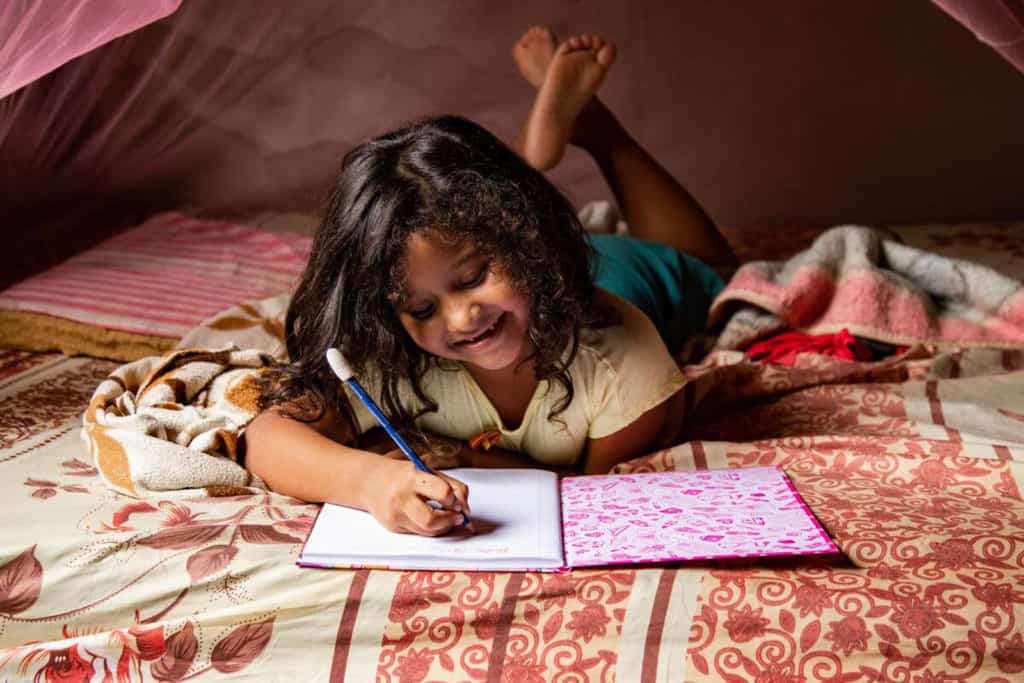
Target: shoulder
[(626, 368), (632, 331), (630, 350)]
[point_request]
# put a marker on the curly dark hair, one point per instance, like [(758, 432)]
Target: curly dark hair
[(448, 176)]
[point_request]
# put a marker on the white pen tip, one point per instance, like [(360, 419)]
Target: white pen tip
[(340, 366)]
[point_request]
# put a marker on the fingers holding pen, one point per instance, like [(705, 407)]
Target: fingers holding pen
[(429, 521), (407, 500), (450, 493), (434, 507), (460, 491)]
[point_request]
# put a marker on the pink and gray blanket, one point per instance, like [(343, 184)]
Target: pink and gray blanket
[(857, 279)]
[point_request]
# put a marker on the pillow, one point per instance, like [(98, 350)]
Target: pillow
[(138, 293)]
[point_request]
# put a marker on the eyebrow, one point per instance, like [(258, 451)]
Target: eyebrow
[(402, 297), (473, 253)]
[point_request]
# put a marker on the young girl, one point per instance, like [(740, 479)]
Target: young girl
[(461, 287)]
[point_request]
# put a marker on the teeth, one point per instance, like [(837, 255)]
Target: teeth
[(482, 334)]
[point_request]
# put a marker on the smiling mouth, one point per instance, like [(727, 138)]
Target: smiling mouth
[(485, 335)]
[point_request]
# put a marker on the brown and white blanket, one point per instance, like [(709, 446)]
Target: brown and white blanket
[(172, 423)]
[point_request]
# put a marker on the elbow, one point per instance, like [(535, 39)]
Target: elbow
[(255, 449)]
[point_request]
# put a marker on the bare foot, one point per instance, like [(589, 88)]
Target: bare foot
[(574, 75), (533, 53)]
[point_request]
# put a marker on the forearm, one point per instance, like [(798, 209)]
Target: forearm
[(640, 437), (449, 452), (602, 463), (500, 458), (293, 458), (494, 458)]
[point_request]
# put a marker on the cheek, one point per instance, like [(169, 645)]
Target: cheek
[(519, 304), (513, 299), (412, 328), (423, 333), (524, 306)]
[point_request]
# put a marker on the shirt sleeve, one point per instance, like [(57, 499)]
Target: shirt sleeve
[(633, 371)]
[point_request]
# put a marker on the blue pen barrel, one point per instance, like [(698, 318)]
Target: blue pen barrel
[(354, 385), (386, 424)]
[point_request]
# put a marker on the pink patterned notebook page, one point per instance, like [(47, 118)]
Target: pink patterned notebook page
[(668, 516)]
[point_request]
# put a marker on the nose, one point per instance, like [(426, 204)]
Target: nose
[(460, 313)]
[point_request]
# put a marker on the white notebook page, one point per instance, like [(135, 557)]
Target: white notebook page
[(516, 514)]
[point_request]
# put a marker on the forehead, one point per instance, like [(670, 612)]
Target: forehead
[(436, 248), (429, 258)]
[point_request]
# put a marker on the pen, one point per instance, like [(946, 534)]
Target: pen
[(343, 370)]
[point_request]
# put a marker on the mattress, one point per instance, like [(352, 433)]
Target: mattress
[(914, 465)]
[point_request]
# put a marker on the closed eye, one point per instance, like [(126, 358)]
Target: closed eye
[(422, 313), (477, 278)]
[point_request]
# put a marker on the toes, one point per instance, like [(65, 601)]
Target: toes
[(538, 34), (606, 54), (604, 51), (528, 35)]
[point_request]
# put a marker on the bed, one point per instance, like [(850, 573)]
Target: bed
[(914, 464)]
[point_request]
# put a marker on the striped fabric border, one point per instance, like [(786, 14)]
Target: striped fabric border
[(165, 276)]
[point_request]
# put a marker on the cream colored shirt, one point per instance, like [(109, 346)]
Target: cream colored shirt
[(619, 373)]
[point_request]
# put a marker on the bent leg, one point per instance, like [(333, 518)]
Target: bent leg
[(574, 73), (654, 204)]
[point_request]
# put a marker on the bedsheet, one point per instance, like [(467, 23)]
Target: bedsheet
[(914, 465)]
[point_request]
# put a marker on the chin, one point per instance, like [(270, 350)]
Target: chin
[(496, 362), (501, 359)]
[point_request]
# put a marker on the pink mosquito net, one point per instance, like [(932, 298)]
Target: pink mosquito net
[(999, 23), (38, 36), (805, 113)]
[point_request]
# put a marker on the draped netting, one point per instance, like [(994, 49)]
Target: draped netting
[(811, 115), (999, 23), (37, 37), (221, 105)]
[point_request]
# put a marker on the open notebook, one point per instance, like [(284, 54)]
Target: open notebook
[(529, 520)]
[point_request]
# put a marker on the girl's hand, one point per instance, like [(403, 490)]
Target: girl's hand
[(440, 455), (443, 453), (397, 495), (436, 452)]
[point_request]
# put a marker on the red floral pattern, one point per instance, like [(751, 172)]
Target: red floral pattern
[(13, 363), (49, 403), (443, 626), (930, 519), (932, 529)]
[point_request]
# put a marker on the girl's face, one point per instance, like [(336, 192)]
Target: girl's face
[(459, 305)]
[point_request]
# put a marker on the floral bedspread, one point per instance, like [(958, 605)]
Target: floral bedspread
[(914, 465)]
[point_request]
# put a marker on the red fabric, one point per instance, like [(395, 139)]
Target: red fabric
[(37, 37), (783, 348)]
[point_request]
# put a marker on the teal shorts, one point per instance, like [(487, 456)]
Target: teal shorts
[(673, 289)]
